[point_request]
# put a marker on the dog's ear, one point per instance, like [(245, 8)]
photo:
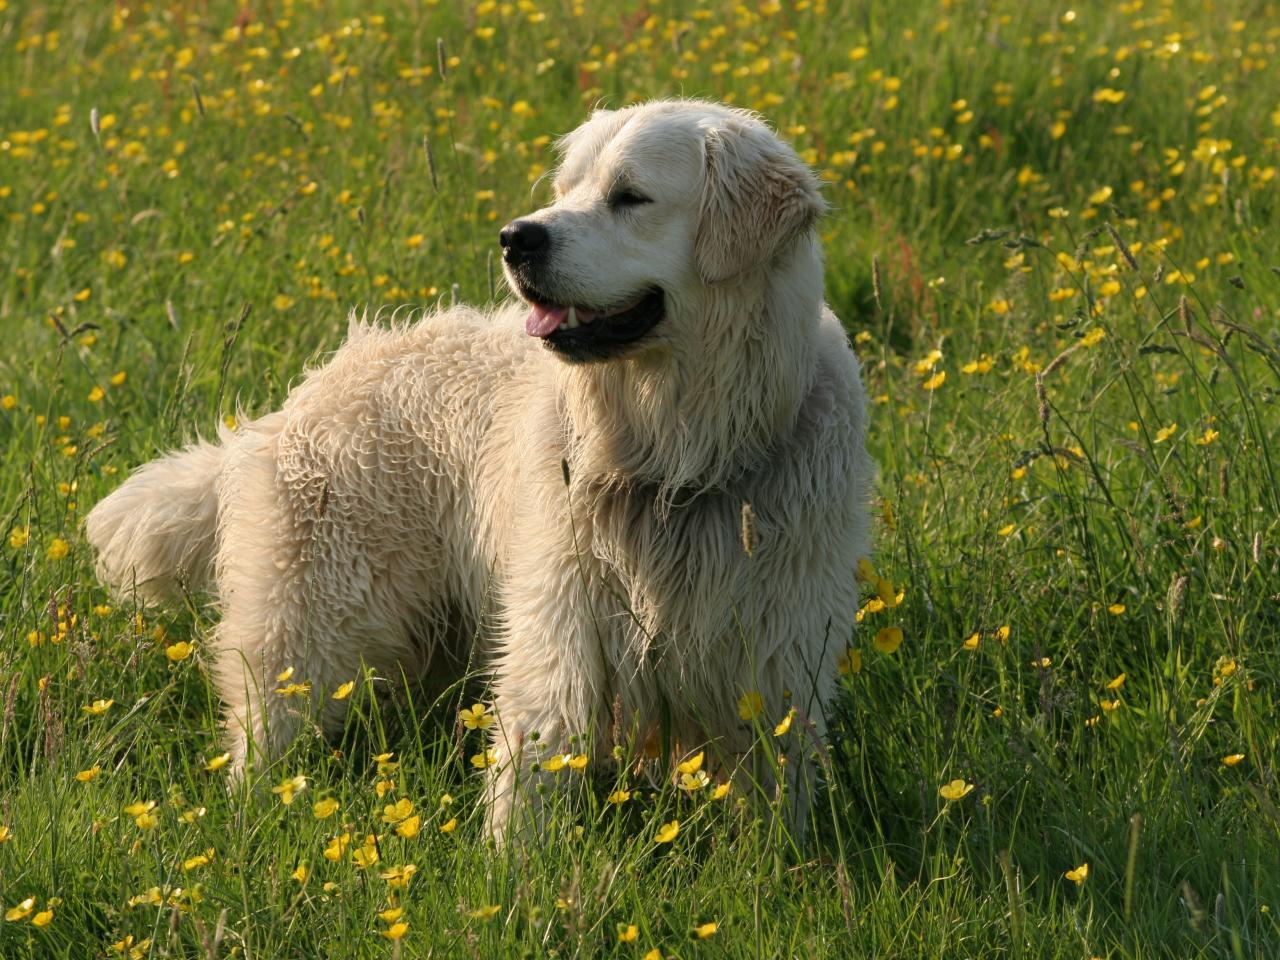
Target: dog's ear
[(757, 197)]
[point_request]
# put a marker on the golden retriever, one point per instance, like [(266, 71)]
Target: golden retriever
[(641, 492)]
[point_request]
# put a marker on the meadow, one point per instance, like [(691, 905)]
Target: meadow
[(1053, 240)]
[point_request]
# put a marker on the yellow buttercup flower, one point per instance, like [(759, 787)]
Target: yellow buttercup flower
[(367, 854), (134, 949), (693, 764), (695, 781), (955, 790), (21, 911), (449, 825), (704, 930), (337, 847), (408, 827), (344, 691), (628, 933), (928, 362), (395, 812), (1232, 759), (42, 919), (667, 832), (1207, 437), (750, 706), (618, 797), (888, 639), (396, 931), (85, 776), (218, 762), (322, 809), (398, 878), (784, 726), (482, 760), (476, 718), (484, 913), (289, 787), (1078, 875), (849, 662), (177, 652), (1116, 683)]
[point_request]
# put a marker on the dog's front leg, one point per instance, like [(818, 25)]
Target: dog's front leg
[(551, 701), (540, 753)]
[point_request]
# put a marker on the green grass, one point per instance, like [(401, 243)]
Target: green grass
[(243, 189)]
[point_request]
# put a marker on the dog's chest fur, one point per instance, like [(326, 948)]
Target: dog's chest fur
[(664, 553)]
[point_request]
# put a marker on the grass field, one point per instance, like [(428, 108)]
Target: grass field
[(1071, 338)]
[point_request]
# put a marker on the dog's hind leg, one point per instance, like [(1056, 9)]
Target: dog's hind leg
[(270, 647)]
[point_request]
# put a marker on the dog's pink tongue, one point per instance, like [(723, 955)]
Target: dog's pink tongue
[(544, 320)]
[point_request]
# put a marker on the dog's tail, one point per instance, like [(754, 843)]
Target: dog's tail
[(155, 535)]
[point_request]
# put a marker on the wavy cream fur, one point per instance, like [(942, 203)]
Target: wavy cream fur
[(416, 481)]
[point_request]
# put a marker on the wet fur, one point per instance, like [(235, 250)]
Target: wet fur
[(417, 480)]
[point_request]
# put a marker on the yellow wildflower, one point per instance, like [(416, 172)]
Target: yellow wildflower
[(667, 832)]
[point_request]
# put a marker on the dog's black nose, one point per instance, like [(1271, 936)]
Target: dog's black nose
[(523, 240)]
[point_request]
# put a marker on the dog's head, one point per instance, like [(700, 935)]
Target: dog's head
[(655, 204)]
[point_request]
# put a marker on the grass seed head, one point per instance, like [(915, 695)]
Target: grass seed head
[(1123, 247), (1177, 595), (1042, 400)]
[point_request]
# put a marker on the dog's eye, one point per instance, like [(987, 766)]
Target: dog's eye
[(627, 198)]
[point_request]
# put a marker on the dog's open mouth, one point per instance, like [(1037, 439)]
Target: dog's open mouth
[(590, 333)]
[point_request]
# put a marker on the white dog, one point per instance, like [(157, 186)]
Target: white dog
[(564, 479)]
